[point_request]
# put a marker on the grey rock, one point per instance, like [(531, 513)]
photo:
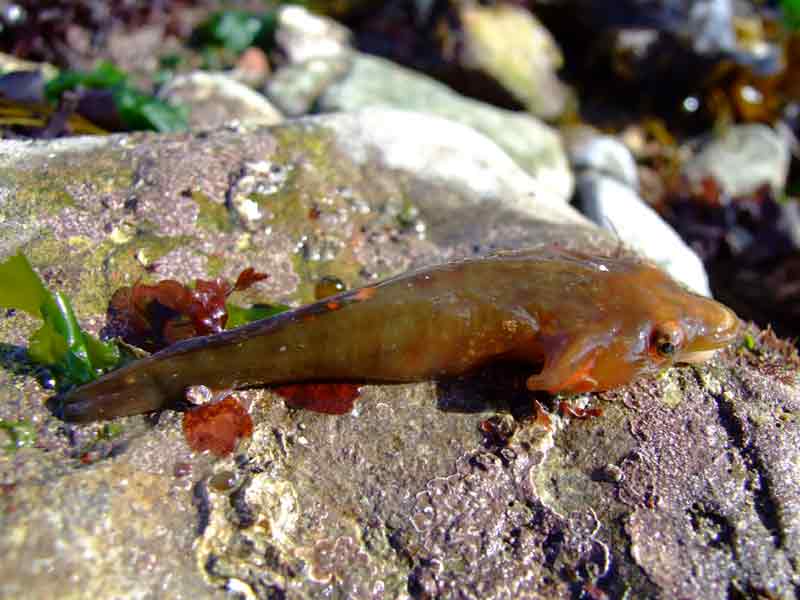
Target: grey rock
[(607, 181), (17, 227), (214, 99), (451, 154), (303, 35), (604, 154), (318, 53), (533, 145), (510, 45), (789, 221), (710, 25), (617, 208), (295, 87), (742, 159)]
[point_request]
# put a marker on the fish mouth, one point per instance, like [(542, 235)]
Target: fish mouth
[(713, 338), (697, 357), (727, 328)]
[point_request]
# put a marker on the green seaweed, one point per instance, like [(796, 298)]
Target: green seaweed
[(237, 30), (749, 342), (791, 13), (20, 433), (109, 431), (73, 355), (137, 110), (238, 315)]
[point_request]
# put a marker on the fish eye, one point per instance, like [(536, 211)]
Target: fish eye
[(666, 339), (665, 348)]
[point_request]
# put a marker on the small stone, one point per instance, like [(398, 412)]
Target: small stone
[(215, 99), (303, 35), (612, 473), (224, 481), (509, 44), (294, 88), (328, 286), (605, 154), (742, 159), (252, 68), (789, 221)]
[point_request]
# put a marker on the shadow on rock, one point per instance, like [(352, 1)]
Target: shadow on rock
[(496, 388), (16, 360)]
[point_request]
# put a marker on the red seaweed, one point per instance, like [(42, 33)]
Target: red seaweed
[(155, 316), (566, 409), (217, 427), (327, 398)]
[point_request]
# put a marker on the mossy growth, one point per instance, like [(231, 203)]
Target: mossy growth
[(47, 185), (211, 215), (20, 434), (344, 267), (125, 263)]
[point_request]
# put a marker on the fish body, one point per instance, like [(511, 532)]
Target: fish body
[(584, 323)]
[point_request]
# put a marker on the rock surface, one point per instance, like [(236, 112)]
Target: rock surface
[(685, 488), (533, 145)]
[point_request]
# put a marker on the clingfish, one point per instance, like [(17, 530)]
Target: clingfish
[(584, 323)]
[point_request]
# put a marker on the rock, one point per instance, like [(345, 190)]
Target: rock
[(604, 154), (533, 145), (252, 68), (318, 52), (9, 62), (710, 25), (742, 159), (304, 36), (17, 227), (789, 222), (510, 45), (136, 49), (417, 143), (215, 99), (399, 497), (294, 88), (21, 88)]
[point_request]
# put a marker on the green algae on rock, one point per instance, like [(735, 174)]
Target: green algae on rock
[(73, 355)]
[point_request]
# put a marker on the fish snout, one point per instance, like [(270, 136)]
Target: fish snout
[(718, 327), (722, 327)]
